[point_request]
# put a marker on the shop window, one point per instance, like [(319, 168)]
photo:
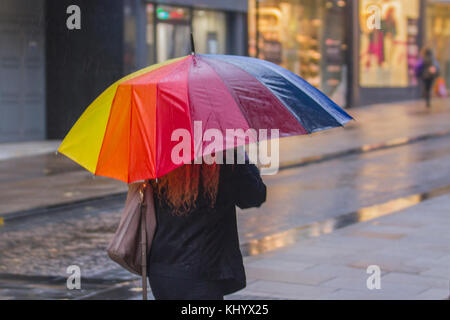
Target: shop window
[(306, 37), (438, 36), (389, 51)]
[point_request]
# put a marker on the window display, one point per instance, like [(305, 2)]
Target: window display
[(438, 36), (306, 37), (388, 50)]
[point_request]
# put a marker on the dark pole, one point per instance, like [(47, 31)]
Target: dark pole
[(192, 44)]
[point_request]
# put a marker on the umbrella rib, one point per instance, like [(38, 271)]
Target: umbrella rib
[(106, 129), (129, 133), (186, 61)]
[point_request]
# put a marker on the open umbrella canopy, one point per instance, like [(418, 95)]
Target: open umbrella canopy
[(127, 132)]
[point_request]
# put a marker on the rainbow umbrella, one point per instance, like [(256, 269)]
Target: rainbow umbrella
[(126, 133)]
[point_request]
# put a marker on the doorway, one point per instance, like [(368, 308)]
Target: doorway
[(22, 71), (173, 40)]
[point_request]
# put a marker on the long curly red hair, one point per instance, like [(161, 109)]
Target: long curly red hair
[(180, 188)]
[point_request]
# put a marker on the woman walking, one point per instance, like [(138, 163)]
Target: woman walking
[(427, 70), (195, 250)]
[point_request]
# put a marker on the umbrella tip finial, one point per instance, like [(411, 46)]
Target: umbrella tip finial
[(192, 44)]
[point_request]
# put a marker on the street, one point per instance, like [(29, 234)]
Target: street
[(37, 249), (104, 104)]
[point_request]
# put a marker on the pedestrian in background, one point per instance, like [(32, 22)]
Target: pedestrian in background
[(427, 70), (195, 250)]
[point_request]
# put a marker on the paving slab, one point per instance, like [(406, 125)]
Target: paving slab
[(413, 266)]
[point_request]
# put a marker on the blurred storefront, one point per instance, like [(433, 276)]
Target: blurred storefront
[(358, 52), (159, 30), (388, 55), (307, 37), (438, 34), (389, 40)]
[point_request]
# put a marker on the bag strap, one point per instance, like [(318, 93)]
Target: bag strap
[(143, 241)]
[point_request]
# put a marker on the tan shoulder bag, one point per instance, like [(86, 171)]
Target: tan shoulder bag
[(132, 240)]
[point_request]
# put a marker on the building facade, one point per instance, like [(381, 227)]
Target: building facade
[(50, 73), (357, 51)]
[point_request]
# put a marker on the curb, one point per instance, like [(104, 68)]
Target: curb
[(22, 214), (363, 149)]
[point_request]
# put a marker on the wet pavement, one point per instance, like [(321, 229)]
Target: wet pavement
[(48, 180), (305, 195), (37, 166), (410, 248), (257, 246), (45, 245)]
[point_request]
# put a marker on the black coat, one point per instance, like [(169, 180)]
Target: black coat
[(203, 244)]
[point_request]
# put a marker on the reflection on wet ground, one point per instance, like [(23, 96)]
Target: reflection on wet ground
[(282, 239)]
